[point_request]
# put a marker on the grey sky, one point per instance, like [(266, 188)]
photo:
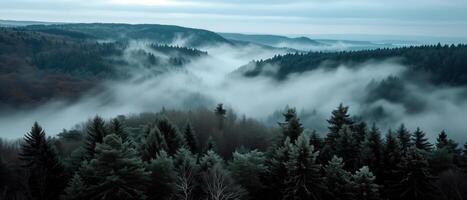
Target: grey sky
[(442, 18)]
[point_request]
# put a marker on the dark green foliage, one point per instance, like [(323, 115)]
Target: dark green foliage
[(117, 128), (246, 169), (316, 140), (391, 159), (420, 141), (339, 118), (338, 180), (153, 144), (163, 177), (347, 148), (115, 172), (210, 145), (303, 179), (442, 140), (464, 159), (45, 173), (190, 138), (417, 183), (364, 185), (220, 113), (75, 189), (291, 128), (372, 149), (173, 138), (444, 64), (277, 170), (404, 138), (95, 133)]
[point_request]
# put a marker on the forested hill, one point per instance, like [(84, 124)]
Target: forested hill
[(37, 66), (162, 34), (443, 64)]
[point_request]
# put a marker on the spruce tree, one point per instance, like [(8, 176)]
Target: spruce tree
[(163, 177), (391, 159), (339, 119), (153, 144), (115, 172), (420, 141), (95, 133), (371, 154), (173, 138), (75, 189), (442, 140), (210, 145), (291, 128), (316, 140), (347, 148), (303, 180), (359, 132), (277, 170), (190, 138), (417, 183), (364, 184), (404, 138), (116, 127), (338, 180), (247, 169), (46, 175), (220, 113)]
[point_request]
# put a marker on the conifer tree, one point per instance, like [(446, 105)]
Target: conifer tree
[(42, 165), (75, 189), (173, 138), (210, 159), (292, 127), (403, 135), (417, 183), (210, 144), (162, 184), (277, 170), (391, 159), (420, 141), (116, 127), (190, 138), (115, 172), (339, 119), (153, 144), (246, 169), (364, 185), (464, 159), (347, 148), (96, 132), (372, 149), (359, 131), (338, 180), (316, 140), (220, 113), (303, 180), (442, 140)]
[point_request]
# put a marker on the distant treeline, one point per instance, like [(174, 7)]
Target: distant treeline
[(215, 155), (442, 64), (38, 66)]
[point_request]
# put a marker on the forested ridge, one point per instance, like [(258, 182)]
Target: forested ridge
[(37, 66), (443, 64), (214, 154)]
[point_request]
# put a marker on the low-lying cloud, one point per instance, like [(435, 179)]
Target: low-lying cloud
[(209, 80)]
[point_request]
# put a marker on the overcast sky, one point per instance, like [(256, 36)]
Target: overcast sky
[(441, 18)]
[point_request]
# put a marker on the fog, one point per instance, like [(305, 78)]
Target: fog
[(210, 80)]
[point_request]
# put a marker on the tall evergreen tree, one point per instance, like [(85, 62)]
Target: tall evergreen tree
[(173, 138), (391, 159), (292, 127), (442, 140), (45, 172), (404, 137), (372, 149), (115, 172), (75, 189), (246, 169), (338, 180), (153, 144), (347, 148), (316, 140), (277, 170), (162, 184), (364, 185), (420, 141), (220, 112), (417, 183), (339, 119), (303, 180), (116, 127), (95, 133), (464, 159), (359, 132), (210, 145), (190, 138)]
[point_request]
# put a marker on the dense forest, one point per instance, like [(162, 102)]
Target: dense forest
[(442, 64), (37, 66), (216, 155)]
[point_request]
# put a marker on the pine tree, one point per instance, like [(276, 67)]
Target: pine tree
[(316, 140), (162, 184), (338, 180), (115, 172), (417, 183), (220, 113), (442, 140), (303, 180), (116, 127), (339, 119), (372, 149), (359, 132), (75, 190), (190, 138), (347, 148), (153, 144), (364, 185), (95, 134), (277, 170), (292, 127), (45, 171), (210, 159), (391, 159), (420, 141), (246, 169), (172, 136), (404, 138)]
